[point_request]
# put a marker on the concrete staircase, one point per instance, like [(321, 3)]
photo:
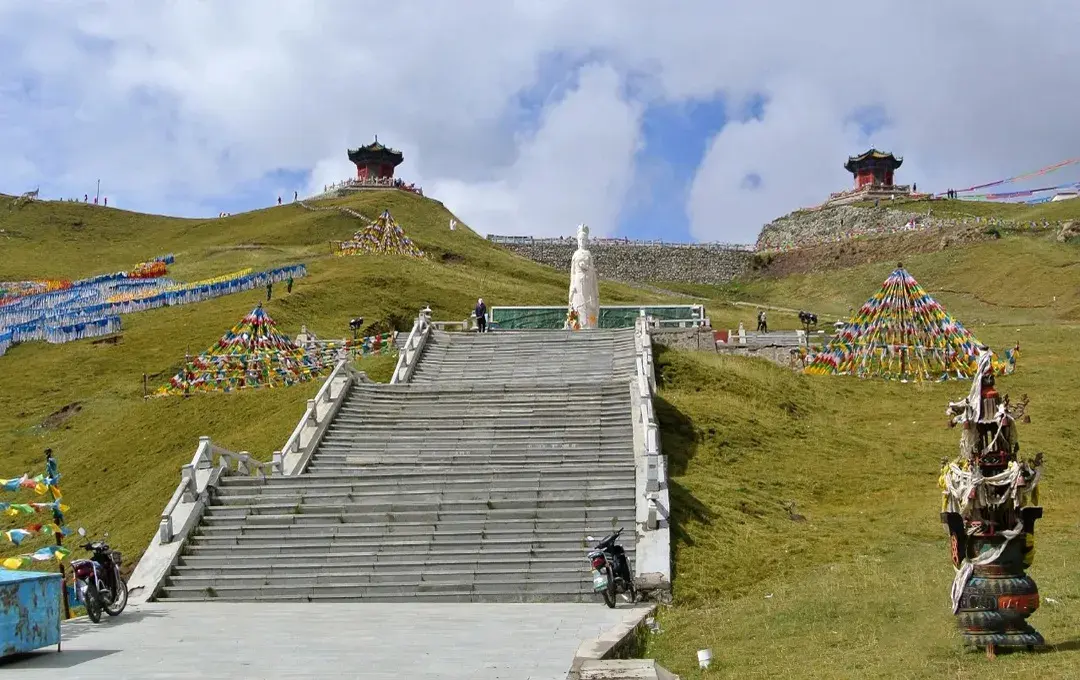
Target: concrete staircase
[(528, 357), (477, 481)]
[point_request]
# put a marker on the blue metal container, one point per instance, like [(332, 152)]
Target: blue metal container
[(30, 610)]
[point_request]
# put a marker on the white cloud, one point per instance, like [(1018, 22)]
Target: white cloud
[(577, 167), (175, 103)]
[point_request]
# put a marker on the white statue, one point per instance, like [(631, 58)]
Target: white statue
[(584, 286)]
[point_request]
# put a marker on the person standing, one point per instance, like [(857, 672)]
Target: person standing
[(762, 322), (481, 316), (269, 290), (288, 285)]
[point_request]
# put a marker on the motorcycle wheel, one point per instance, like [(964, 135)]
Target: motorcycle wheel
[(93, 603), (120, 599), (609, 592)]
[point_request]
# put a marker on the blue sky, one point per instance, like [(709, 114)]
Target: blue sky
[(697, 121)]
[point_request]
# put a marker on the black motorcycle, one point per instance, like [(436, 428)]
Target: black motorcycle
[(98, 583), (611, 569)]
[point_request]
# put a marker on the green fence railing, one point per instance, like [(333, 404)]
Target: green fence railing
[(621, 316)]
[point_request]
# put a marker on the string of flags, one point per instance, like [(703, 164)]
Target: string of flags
[(49, 552), (45, 484), (17, 536), (63, 311), (251, 354), (384, 236), (901, 333)]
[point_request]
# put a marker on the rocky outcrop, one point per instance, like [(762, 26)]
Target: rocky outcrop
[(1069, 231), (642, 261), (805, 228)]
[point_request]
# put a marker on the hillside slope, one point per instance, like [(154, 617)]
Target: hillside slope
[(859, 587), (121, 455)]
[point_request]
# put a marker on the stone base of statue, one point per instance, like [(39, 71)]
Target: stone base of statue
[(998, 597), (989, 507)]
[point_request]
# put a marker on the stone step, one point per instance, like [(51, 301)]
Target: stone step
[(460, 478), (500, 415), (359, 456), (547, 507), (454, 393), (479, 490), (406, 495), (577, 437), (442, 531), (330, 574), (443, 553), (419, 580), (464, 428), (309, 514), (431, 542), (373, 560), (527, 592), (428, 473), (529, 450), (517, 527)]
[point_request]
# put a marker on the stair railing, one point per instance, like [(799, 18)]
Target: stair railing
[(414, 346), (652, 567), (294, 457), (185, 509), (645, 384)]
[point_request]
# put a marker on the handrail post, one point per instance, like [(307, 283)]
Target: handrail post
[(187, 478)]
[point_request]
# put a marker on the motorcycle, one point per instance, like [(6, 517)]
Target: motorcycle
[(611, 569), (98, 583)]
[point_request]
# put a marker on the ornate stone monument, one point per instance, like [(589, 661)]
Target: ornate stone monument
[(989, 507), (584, 302)]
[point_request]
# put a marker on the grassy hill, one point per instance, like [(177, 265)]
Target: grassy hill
[(121, 454), (858, 589)]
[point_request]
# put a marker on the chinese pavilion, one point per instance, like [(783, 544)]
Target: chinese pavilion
[(375, 161), (873, 167)]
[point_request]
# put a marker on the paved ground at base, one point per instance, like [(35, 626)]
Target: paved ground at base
[(369, 641)]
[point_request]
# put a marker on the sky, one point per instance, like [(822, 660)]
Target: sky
[(699, 120)]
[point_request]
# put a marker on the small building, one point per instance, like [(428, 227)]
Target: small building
[(375, 161), (873, 167), (1064, 196)]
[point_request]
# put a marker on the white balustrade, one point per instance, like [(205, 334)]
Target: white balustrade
[(414, 346)]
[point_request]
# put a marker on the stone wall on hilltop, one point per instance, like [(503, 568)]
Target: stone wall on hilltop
[(842, 223), (642, 261)]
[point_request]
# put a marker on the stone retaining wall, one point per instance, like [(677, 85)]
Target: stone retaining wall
[(841, 223), (644, 262), (776, 354), (684, 338)]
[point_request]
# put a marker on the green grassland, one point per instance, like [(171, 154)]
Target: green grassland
[(858, 587), (121, 454)]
